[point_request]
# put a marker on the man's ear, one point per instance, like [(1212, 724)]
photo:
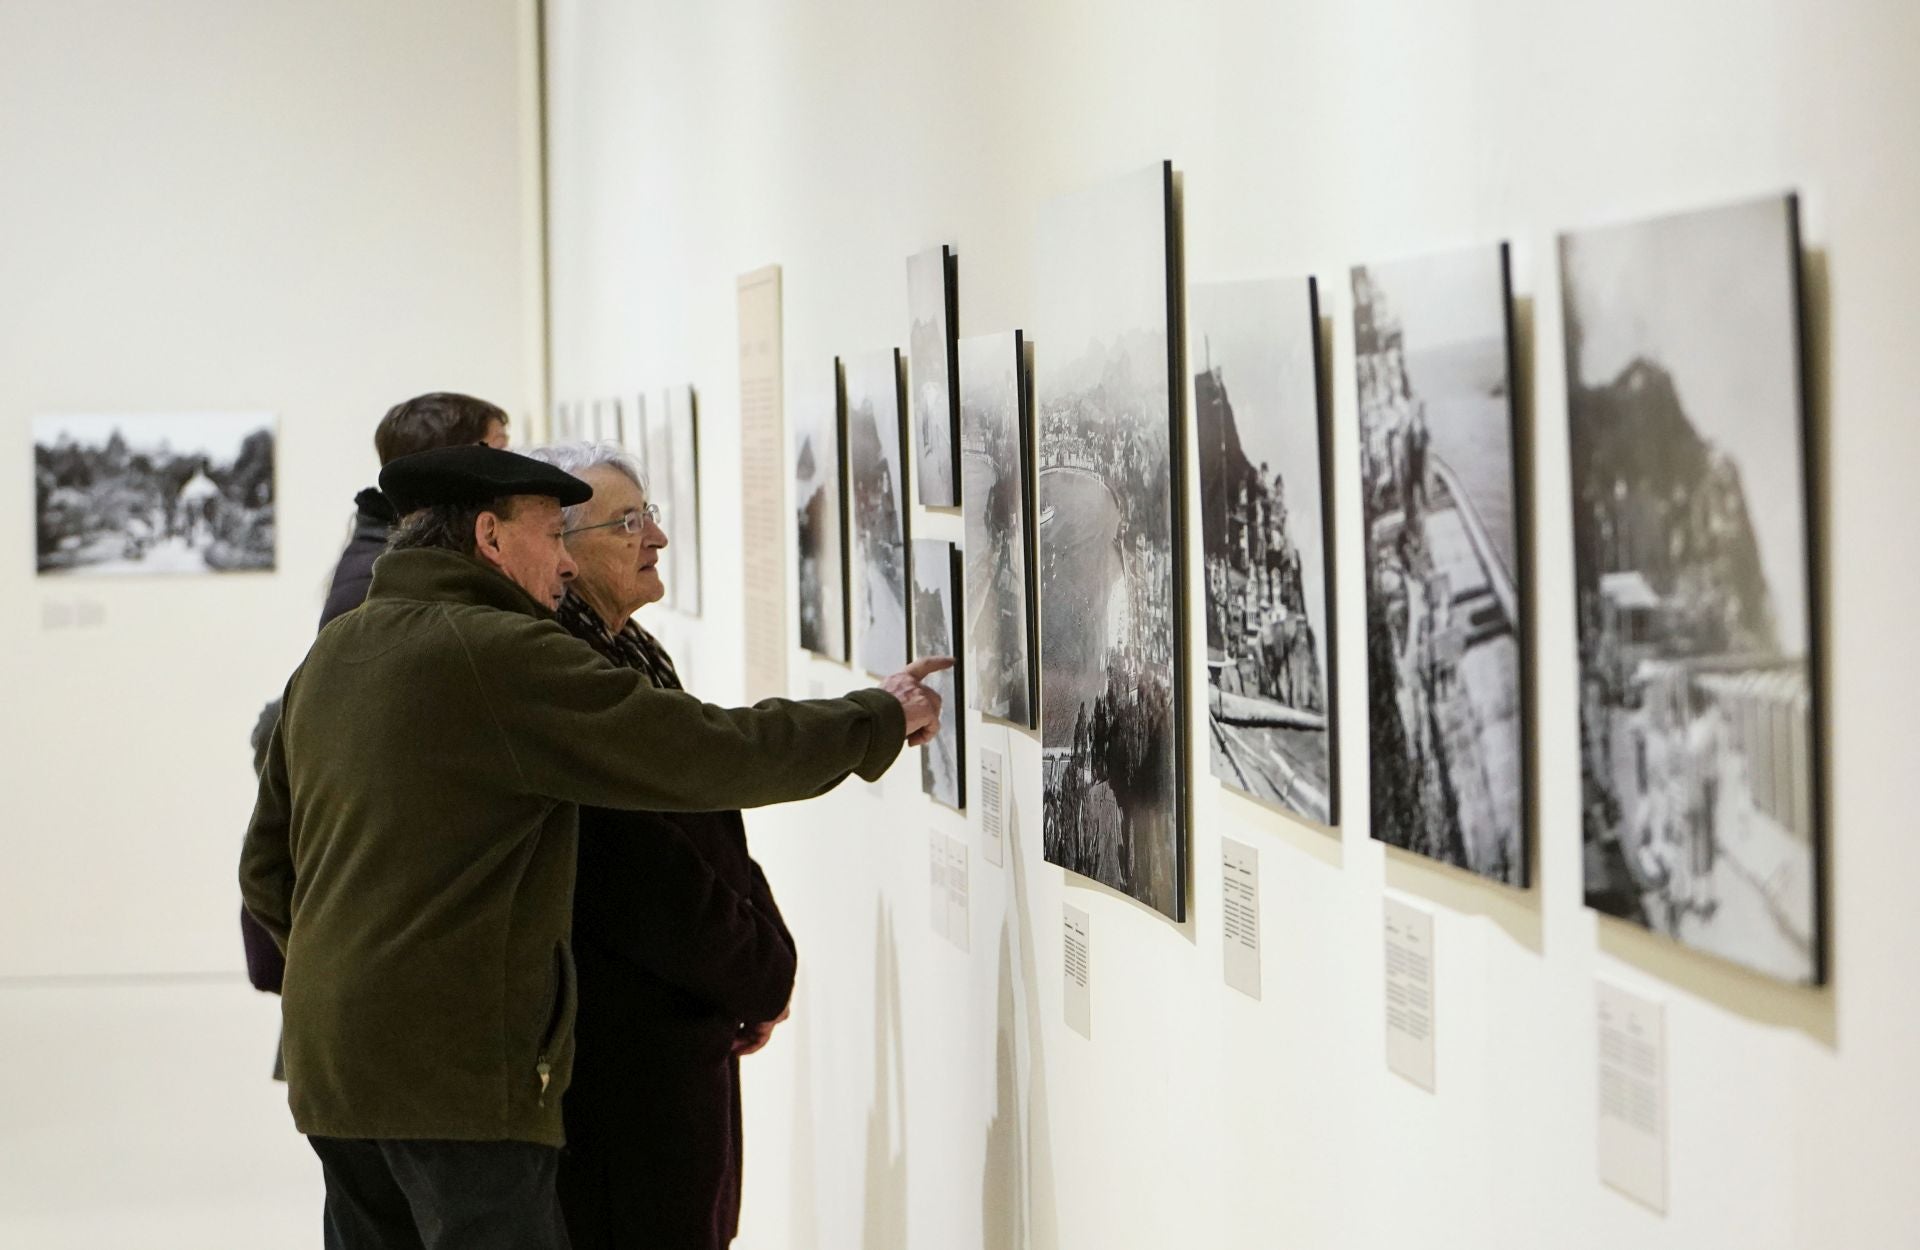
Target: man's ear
[(486, 538)]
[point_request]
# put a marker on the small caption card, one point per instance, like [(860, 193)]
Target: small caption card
[(1409, 987), (992, 807), (1078, 960), (1240, 915), (1633, 1094)]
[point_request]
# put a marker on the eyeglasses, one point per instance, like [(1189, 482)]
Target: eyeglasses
[(630, 523)]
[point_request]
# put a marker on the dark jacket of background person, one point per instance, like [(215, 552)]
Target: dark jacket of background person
[(678, 943), (373, 520), (438, 739)]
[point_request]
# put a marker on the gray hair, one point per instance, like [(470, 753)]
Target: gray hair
[(577, 458)]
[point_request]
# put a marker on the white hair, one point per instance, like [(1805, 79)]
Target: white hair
[(577, 458)]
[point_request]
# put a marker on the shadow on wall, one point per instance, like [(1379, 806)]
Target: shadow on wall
[(803, 1222), (1003, 1181), (886, 1205), (1019, 1210)]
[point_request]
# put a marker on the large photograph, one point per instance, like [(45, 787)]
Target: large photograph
[(1263, 508), (1433, 352), (154, 493), (996, 478), (1113, 731), (820, 518), (1700, 810), (931, 374), (683, 476), (876, 436), (936, 631)]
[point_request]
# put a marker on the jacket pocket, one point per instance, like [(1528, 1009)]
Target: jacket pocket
[(562, 1006)]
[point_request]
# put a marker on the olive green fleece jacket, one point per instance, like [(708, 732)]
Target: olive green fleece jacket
[(412, 848)]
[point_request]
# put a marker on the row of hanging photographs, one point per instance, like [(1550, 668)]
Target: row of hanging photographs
[(664, 439), (1700, 804)]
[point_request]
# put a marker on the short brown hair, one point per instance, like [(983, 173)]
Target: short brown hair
[(439, 419)]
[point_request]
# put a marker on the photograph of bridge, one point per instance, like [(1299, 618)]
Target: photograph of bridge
[(932, 374), (1263, 522), (1107, 386), (1445, 715), (996, 472), (876, 438), (1701, 814), (936, 631)]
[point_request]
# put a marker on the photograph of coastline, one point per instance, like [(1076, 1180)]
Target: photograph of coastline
[(932, 374), (1263, 521), (936, 631), (1699, 733), (996, 471), (876, 437), (819, 493), (1445, 716), (1107, 386)]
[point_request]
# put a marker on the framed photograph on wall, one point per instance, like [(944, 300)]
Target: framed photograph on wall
[(936, 631), (819, 492), (933, 373), (876, 439), (146, 493), (1693, 555), (683, 473), (996, 472), (1433, 350), (1260, 438), (1108, 387)]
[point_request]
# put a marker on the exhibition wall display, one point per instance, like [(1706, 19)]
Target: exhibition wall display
[(1433, 350), (820, 519), (1687, 440), (996, 472), (876, 441), (933, 373), (1258, 407), (937, 631), (683, 480), (1112, 680)]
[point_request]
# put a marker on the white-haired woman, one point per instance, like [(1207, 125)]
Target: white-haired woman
[(684, 962)]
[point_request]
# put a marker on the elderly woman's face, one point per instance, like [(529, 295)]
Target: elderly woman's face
[(618, 570)]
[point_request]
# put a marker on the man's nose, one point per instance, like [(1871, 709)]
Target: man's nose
[(567, 567)]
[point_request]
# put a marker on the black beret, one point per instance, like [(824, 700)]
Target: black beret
[(474, 473)]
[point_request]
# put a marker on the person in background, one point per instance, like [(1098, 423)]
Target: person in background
[(414, 845), (685, 963), (439, 419)]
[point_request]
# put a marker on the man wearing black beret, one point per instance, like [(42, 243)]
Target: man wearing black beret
[(412, 849)]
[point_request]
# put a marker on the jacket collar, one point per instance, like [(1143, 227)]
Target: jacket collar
[(439, 576), (371, 505)]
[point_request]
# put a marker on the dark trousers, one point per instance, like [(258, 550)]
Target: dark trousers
[(440, 1195)]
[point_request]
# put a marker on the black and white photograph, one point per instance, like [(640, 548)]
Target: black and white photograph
[(1107, 384), (936, 631), (819, 493), (932, 373), (1445, 670), (876, 438), (154, 493), (996, 473), (683, 477), (633, 437), (1699, 730), (656, 435), (1263, 523)]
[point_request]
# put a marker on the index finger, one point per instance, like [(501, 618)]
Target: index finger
[(926, 666)]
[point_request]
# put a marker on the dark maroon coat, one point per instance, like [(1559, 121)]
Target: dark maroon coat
[(678, 943)]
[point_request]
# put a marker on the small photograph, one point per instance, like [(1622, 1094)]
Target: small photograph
[(1700, 813), (819, 492), (876, 436), (1263, 522), (154, 493), (1108, 389), (683, 475), (656, 436), (932, 373), (996, 471), (633, 432), (936, 631), (1433, 351)]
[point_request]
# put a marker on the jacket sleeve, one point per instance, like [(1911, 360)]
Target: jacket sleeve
[(762, 895), (576, 728), (266, 857), (646, 892)]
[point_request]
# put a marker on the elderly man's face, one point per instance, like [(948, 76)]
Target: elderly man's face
[(619, 572), (528, 548)]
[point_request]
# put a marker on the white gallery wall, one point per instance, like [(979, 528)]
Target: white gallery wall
[(926, 1097), (312, 208)]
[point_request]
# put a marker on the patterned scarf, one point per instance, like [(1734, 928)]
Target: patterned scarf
[(632, 647)]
